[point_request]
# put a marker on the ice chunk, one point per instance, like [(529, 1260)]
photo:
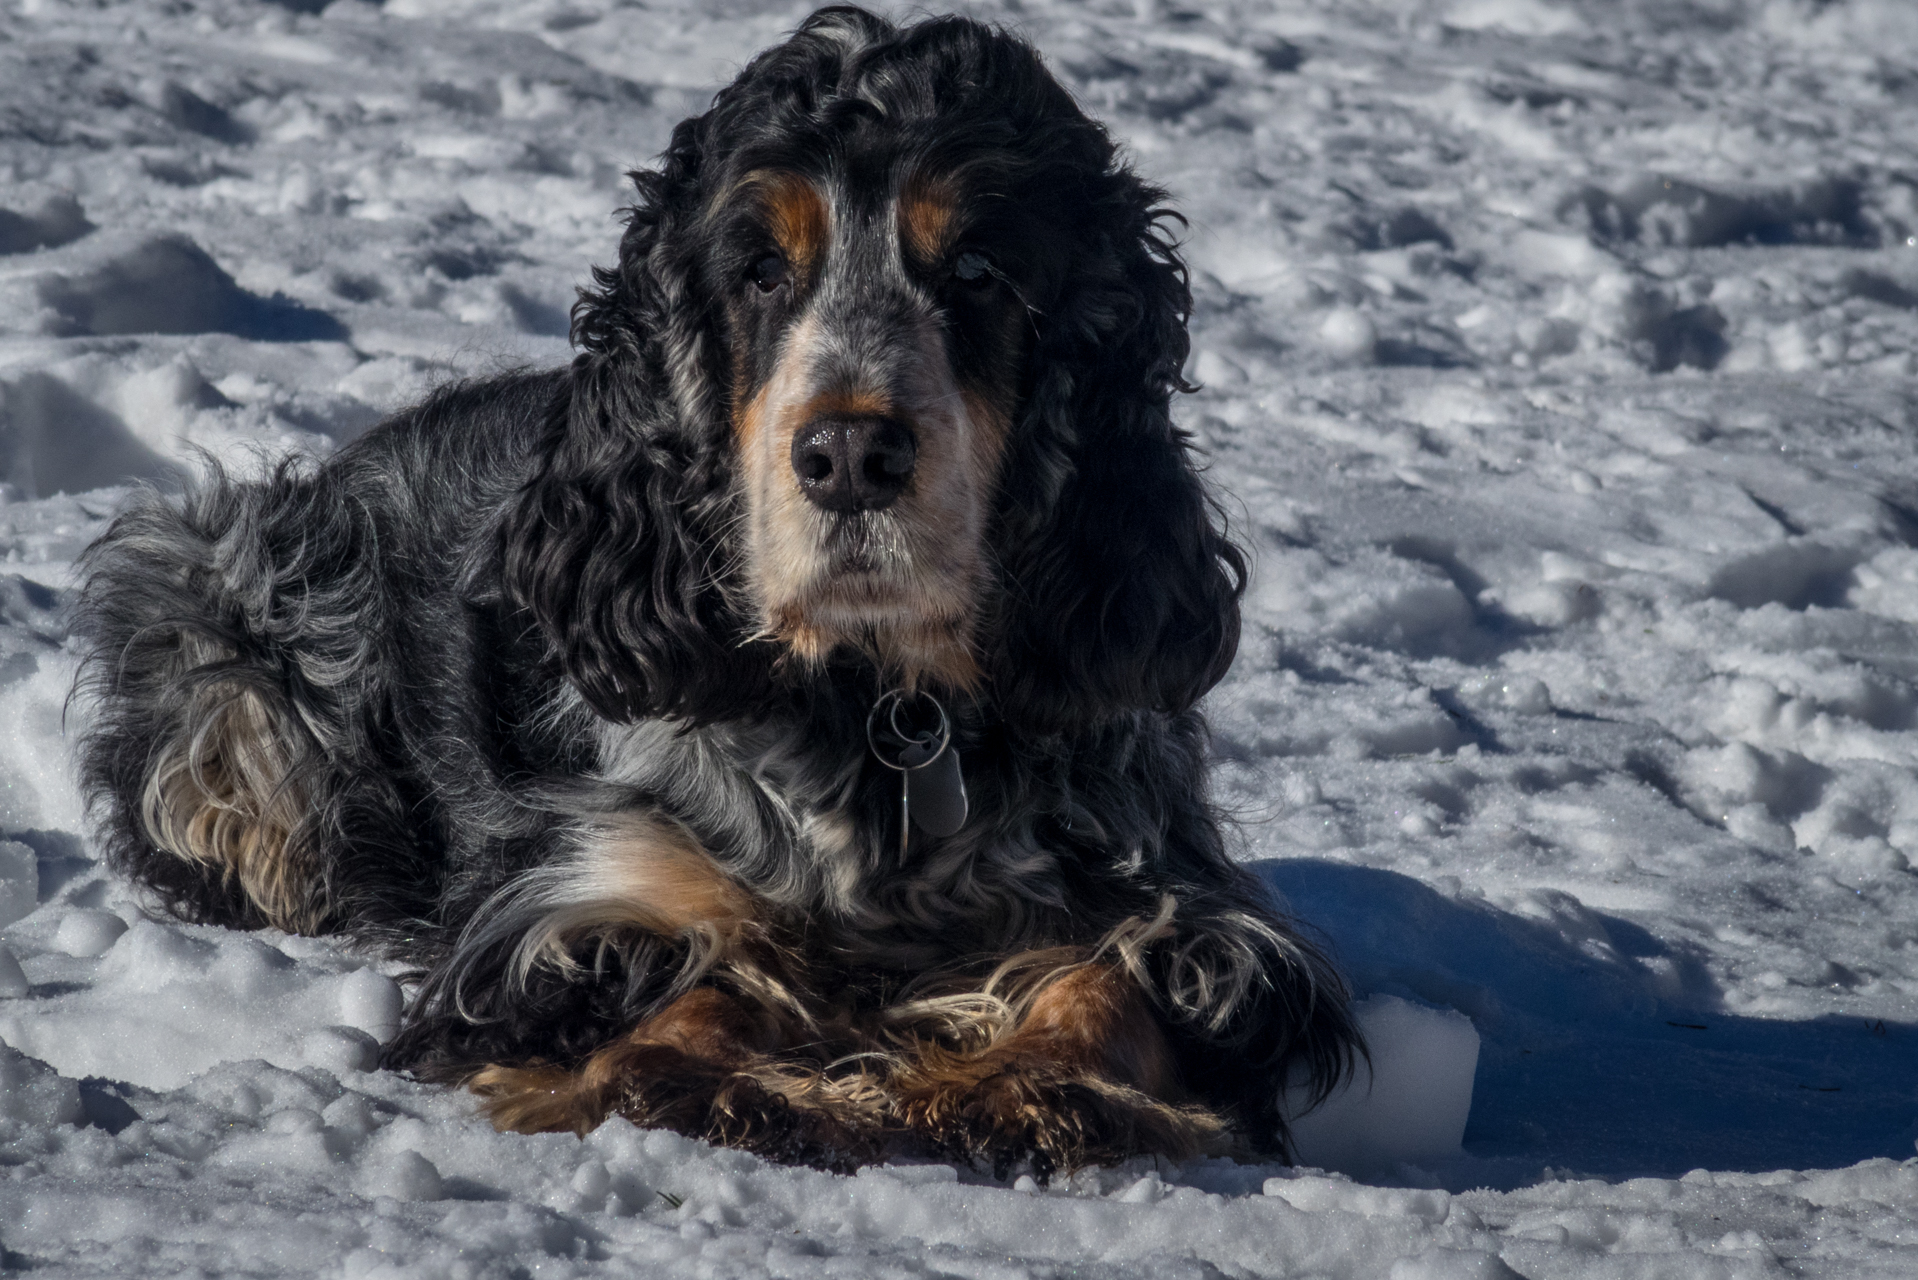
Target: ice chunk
[(1526, 695), (153, 956), (592, 1180), (34, 1093), (1410, 1107), (1147, 1190), (19, 881), (371, 1001), (88, 933), (340, 1049), (1349, 335), (13, 979), (406, 1175)]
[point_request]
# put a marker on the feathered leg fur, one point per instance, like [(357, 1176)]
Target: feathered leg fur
[(210, 698)]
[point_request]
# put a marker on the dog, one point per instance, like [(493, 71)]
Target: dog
[(777, 726)]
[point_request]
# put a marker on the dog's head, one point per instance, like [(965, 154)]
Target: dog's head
[(883, 370)]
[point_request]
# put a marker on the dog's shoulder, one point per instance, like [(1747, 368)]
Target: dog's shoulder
[(471, 430)]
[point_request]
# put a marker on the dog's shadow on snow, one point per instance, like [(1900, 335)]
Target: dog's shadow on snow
[(1603, 1051)]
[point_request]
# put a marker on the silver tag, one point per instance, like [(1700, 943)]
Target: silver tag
[(932, 789), (936, 794)]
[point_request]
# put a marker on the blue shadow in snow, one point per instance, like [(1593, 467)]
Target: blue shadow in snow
[(1603, 1051), (170, 285)]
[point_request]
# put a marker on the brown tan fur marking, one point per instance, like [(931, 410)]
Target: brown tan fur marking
[(1096, 1020), (700, 1067), (1086, 1077), (661, 866), (799, 222), (749, 415), (926, 219), (646, 872), (992, 427), (223, 794), (797, 217), (703, 1035), (841, 403)]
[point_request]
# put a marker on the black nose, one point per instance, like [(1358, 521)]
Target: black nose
[(853, 464)]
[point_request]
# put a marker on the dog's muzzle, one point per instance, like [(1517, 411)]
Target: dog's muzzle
[(853, 464)]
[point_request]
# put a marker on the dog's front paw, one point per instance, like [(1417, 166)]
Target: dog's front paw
[(743, 1112), (552, 1099), (660, 1087), (1008, 1119), (1007, 1114)]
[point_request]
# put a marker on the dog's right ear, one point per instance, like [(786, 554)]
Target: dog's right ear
[(615, 544), (647, 311), (612, 546)]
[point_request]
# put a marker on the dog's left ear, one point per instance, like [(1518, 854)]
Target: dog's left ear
[(1121, 588)]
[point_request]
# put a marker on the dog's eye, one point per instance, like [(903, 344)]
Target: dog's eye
[(972, 267), (768, 273)]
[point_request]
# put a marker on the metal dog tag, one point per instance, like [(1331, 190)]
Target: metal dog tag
[(932, 790), (936, 794)]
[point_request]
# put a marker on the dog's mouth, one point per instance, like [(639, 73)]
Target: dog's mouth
[(872, 583), (868, 546)]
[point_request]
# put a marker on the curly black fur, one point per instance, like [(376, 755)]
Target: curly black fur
[(518, 608)]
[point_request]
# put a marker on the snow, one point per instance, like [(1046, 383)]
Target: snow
[(1408, 1105), (1558, 365)]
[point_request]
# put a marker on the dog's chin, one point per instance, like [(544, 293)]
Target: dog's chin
[(919, 633)]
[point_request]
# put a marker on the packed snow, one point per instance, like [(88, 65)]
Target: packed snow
[(1558, 365)]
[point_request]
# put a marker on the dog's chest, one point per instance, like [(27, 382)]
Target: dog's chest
[(812, 824)]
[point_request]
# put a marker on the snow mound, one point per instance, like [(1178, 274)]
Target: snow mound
[(169, 284), (32, 1094), (57, 221), (54, 440), (163, 1002)]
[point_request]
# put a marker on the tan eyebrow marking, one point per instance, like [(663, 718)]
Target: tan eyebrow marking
[(926, 218), (795, 213)]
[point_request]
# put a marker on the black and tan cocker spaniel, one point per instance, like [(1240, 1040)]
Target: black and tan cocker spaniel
[(778, 725)]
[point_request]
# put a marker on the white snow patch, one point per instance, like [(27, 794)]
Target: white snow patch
[(1408, 1106)]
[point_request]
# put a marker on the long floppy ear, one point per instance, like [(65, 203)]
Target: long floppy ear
[(1121, 587), (616, 544)]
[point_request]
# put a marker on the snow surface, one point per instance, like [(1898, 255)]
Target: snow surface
[(1558, 361)]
